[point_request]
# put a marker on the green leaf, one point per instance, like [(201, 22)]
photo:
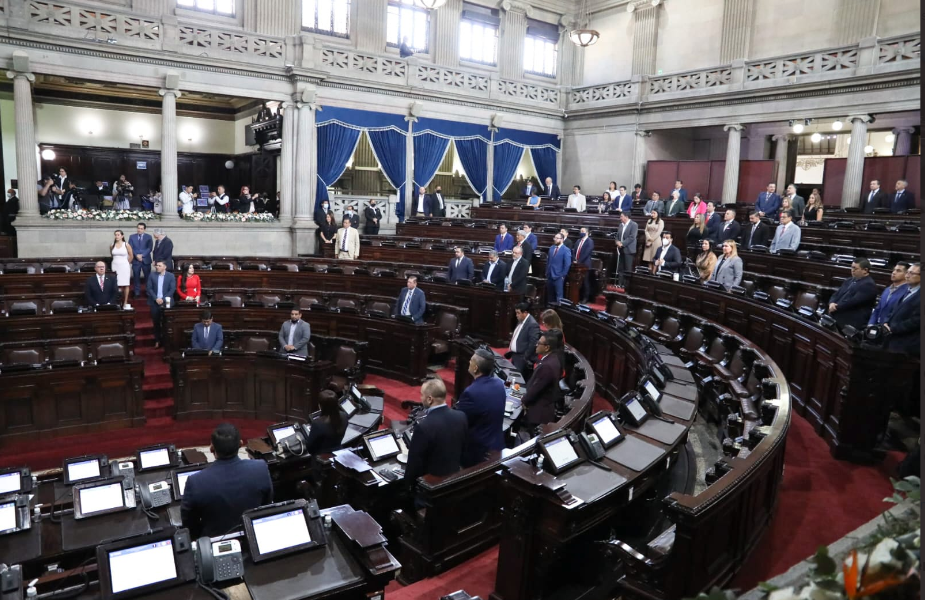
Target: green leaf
[(824, 563), (764, 586), (830, 585), (903, 486)]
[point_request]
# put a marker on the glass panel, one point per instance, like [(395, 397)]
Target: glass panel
[(391, 30), (225, 7), (205, 5), (325, 11), (420, 30), (308, 13), (342, 17), (465, 41)]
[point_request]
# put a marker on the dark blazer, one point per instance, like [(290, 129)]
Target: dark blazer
[(525, 357), (713, 224), (10, 210), (553, 192), (504, 243), (497, 275), (414, 206), (904, 203), (215, 497), (879, 200), (354, 219), (672, 209), (216, 340), (527, 248), (518, 276), (529, 189), (94, 295), (418, 304), (465, 270), (372, 213), (586, 249), (169, 289), (543, 391), (437, 444), (760, 238), (324, 437), (558, 263), (435, 209), (531, 239), (625, 205), (769, 204), (672, 258), (483, 404), (905, 324), (144, 245), (163, 250), (728, 233), (629, 236), (855, 299), (888, 301)]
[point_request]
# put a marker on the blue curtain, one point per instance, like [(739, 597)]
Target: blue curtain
[(429, 150), (335, 147), (507, 157), (389, 147), (544, 159), (473, 154)]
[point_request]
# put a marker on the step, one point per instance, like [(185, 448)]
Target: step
[(149, 387), (149, 351), (156, 379), (159, 421), (156, 368)]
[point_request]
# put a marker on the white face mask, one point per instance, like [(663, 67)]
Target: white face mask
[(666, 242)]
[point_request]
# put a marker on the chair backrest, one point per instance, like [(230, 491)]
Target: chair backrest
[(25, 356), (670, 326), (736, 365), (694, 339), (776, 292), (307, 301), (346, 304), (222, 265), (64, 306), (447, 323), (379, 306), (808, 299), (618, 308), (256, 344), (644, 317), (55, 268), (345, 357), (749, 287), (269, 300), (70, 352), (111, 350), (23, 307), (236, 300), (717, 349)]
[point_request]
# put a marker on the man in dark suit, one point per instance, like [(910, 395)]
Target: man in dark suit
[(373, 216), (530, 239), (438, 203), (411, 302), (494, 271), (674, 205), (638, 195), (483, 404), (8, 213), (583, 250), (295, 334), (208, 335), (439, 438), (565, 241), (682, 193), (904, 326), (768, 203), (623, 201), (891, 295), (854, 300), (516, 280), (100, 289), (142, 248), (163, 249), (215, 498), (461, 267), (543, 393), (756, 233), (504, 240), (60, 187), (99, 190), (712, 222), (730, 228), (797, 202), (420, 204), (160, 287), (668, 257), (552, 190), (901, 200), (522, 349), (874, 198), (353, 216), (558, 261), (626, 247), (524, 245), (528, 190)]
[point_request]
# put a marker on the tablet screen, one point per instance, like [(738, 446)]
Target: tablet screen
[(10, 482), (181, 480), (83, 470), (154, 458), (278, 532), (606, 430), (651, 390), (101, 497), (284, 432), (348, 406), (7, 516), (561, 452), (636, 409), (383, 446), (142, 565)]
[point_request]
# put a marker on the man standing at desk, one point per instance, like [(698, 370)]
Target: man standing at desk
[(208, 335), (295, 334), (163, 249), (494, 271), (160, 287), (483, 403), (142, 246), (100, 289), (461, 266), (557, 265), (504, 240), (411, 302), (215, 498), (523, 342), (854, 300), (439, 438), (543, 392)]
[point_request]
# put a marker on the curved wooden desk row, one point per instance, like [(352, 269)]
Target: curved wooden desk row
[(835, 384), (67, 351), (66, 325)]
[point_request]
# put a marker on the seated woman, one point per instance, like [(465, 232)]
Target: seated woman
[(697, 207), (192, 291), (706, 261), (328, 429), (697, 232), (813, 210), (534, 199), (607, 201)]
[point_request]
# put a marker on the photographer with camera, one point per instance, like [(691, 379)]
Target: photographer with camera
[(122, 190)]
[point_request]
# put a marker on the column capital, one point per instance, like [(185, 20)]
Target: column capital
[(14, 74), (308, 105), (642, 134), (642, 5), (164, 91), (900, 130), (862, 118), (733, 126), (783, 137), (514, 6)]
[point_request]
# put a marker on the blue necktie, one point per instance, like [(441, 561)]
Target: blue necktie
[(407, 305)]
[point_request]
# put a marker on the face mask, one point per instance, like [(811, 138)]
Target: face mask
[(439, 191), (582, 235), (373, 204), (666, 243), (324, 206)]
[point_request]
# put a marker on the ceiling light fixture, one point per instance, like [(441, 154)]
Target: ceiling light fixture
[(48, 154), (890, 138), (868, 149), (797, 127), (837, 125), (816, 138), (583, 36)]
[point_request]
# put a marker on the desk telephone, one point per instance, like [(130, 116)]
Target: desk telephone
[(154, 495), (219, 561), (592, 446), (126, 469)]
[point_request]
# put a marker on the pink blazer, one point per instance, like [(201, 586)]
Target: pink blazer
[(696, 209)]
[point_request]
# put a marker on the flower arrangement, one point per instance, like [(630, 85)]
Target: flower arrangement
[(94, 214), (217, 217)]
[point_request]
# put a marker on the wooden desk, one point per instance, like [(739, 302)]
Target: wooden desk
[(66, 325)]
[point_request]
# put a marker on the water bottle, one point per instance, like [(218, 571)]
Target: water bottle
[(167, 301)]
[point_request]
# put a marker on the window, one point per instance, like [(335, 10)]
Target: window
[(407, 21), (478, 35), (218, 7), (330, 17), (540, 56)]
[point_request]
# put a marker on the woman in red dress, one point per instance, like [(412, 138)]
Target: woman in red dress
[(193, 288)]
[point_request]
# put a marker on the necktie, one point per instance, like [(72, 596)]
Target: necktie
[(407, 305), (101, 282), (578, 252), (751, 238), (716, 270), (343, 245), (910, 294), (556, 251), (870, 197)]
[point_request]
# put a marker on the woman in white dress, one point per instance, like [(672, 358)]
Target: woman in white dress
[(122, 263)]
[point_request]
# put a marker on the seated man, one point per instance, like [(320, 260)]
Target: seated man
[(100, 289), (904, 326), (494, 271), (461, 266), (522, 351), (854, 300), (483, 403), (439, 438), (208, 335), (787, 235), (295, 334), (668, 257), (411, 302), (891, 295), (543, 391), (215, 497)]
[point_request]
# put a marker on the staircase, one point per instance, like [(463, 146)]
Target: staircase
[(158, 385)]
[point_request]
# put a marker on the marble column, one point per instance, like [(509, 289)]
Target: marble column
[(855, 20), (639, 156), (306, 167), (446, 36), (512, 34), (27, 172), (903, 141), (737, 28), (169, 189), (645, 39), (369, 24), (287, 162), (780, 157), (733, 151), (854, 170)]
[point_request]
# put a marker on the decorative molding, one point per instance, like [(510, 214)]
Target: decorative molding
[(699, 80), (600, 93), (528, 91), (802, 64), (348, 60), (452, 78), (200, 38), (900, 50)]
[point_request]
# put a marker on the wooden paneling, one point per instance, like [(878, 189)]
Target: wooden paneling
[(754, 176)]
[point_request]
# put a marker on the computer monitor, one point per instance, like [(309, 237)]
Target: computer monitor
[(14, 514), (160, 456), (348, 406), (558, 452), (651, 390), (632, 409), (103, 496), (178, 478), (607, 430), (282, 529), (82, 468), (15, 480), (143, 564), (381, 445)]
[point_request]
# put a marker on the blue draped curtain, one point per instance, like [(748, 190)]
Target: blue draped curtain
[(544, 160), (389, 147), (507, 157), (336, 144), (429, 150), (473, 154)]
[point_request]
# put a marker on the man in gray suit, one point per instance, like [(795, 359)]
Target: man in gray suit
[(160, 288), (728, 270), (655, 203), (787, 235), (673, 205), (797, 203), (294, 335), (626, 247)]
